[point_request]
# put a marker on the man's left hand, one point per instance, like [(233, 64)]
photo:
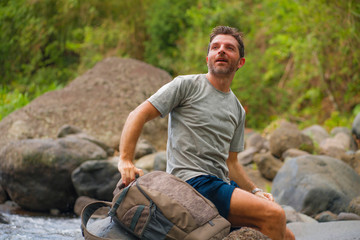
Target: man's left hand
[(265, 195)]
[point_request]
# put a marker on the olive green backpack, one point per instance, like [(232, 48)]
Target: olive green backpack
[(161, 206)]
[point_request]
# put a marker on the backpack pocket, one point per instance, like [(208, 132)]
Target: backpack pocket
[(157, 227)]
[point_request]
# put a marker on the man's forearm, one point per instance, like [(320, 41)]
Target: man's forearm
[(238, 175)]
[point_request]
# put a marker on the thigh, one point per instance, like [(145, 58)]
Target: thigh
[(246, 209)]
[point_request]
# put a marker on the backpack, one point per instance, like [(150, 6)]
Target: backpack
[(158, 206)]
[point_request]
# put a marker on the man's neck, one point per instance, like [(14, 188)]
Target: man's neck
[(221, 83)]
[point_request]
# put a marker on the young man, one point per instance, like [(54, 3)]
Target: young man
[(205, 133)]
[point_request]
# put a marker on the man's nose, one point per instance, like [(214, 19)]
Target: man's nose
[(221, 50)]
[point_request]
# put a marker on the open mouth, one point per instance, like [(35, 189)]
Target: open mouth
[(221, 60)]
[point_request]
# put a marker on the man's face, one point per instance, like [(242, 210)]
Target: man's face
[(223, 57)]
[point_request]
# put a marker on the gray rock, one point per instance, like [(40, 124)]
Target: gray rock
[(330, 147), (246, 233), (313, 184), (344, 230), (354, 206), (255, 176), (317, 133), (4, 219), (344, 216), (337, 130), (143, 148), (255, 140), (326, 216), (96, 179), (73, 131), (292, 153), (247, 156), (160, 161), (3, 195), (146, 162), (67, 130), (356, 162), (36, 173), (268, 165), (97, 102), (293, 216), (289, 136), (82, 201)]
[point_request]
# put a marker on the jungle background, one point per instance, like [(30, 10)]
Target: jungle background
[(302, 56)]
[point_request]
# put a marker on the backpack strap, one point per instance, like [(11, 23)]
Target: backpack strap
[(86, 213), (112, 211)]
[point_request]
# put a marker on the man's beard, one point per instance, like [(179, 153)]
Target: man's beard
[(222, 70)]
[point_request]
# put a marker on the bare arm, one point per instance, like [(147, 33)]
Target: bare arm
[(129, 137), (238, 175)]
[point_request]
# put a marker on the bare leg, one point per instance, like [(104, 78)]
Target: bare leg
[(268, 217)]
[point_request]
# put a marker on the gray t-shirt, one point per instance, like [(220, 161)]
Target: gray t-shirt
[(204, 125)]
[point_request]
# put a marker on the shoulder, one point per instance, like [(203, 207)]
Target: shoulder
[(238, 105), (190, 82), (190, 79)]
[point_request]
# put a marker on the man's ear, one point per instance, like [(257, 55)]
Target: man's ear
[(207, 59), (241, 62)]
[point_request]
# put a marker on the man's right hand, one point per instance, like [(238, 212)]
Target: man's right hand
[(128, 171)]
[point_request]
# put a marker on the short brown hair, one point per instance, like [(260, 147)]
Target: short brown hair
[(229, 31)]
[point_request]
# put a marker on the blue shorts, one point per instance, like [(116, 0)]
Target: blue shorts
[(216, 190)]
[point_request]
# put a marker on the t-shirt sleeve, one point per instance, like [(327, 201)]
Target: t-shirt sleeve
[(168, 96), (237, 143)]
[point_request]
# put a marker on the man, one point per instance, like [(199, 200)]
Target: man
[(205, 133)]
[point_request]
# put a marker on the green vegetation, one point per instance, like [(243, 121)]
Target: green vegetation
[(302, 57)]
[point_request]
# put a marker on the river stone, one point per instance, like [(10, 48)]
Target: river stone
[(268, 165), (160, 161), (293, 216), (354, 206), (292, 153), (313, 184), (255, 140), (3, 195), (143, 147), (338, 230), (246, 233), (96, 179), (98, 102), (247, 156), (317, 133), (289, 136), (326, 216), (36, 173), (68, 130), (146, 162)]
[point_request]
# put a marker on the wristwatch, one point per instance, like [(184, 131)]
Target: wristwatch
[(255, 190)]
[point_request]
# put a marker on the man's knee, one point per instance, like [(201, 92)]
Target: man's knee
[(276, 214)]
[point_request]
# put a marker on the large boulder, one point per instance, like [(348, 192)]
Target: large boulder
[(97, 102), (36, 173), (96, 179), (289, 136), (313, 184)]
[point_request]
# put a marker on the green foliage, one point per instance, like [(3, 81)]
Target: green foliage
[(302, 57), (10, 101)]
